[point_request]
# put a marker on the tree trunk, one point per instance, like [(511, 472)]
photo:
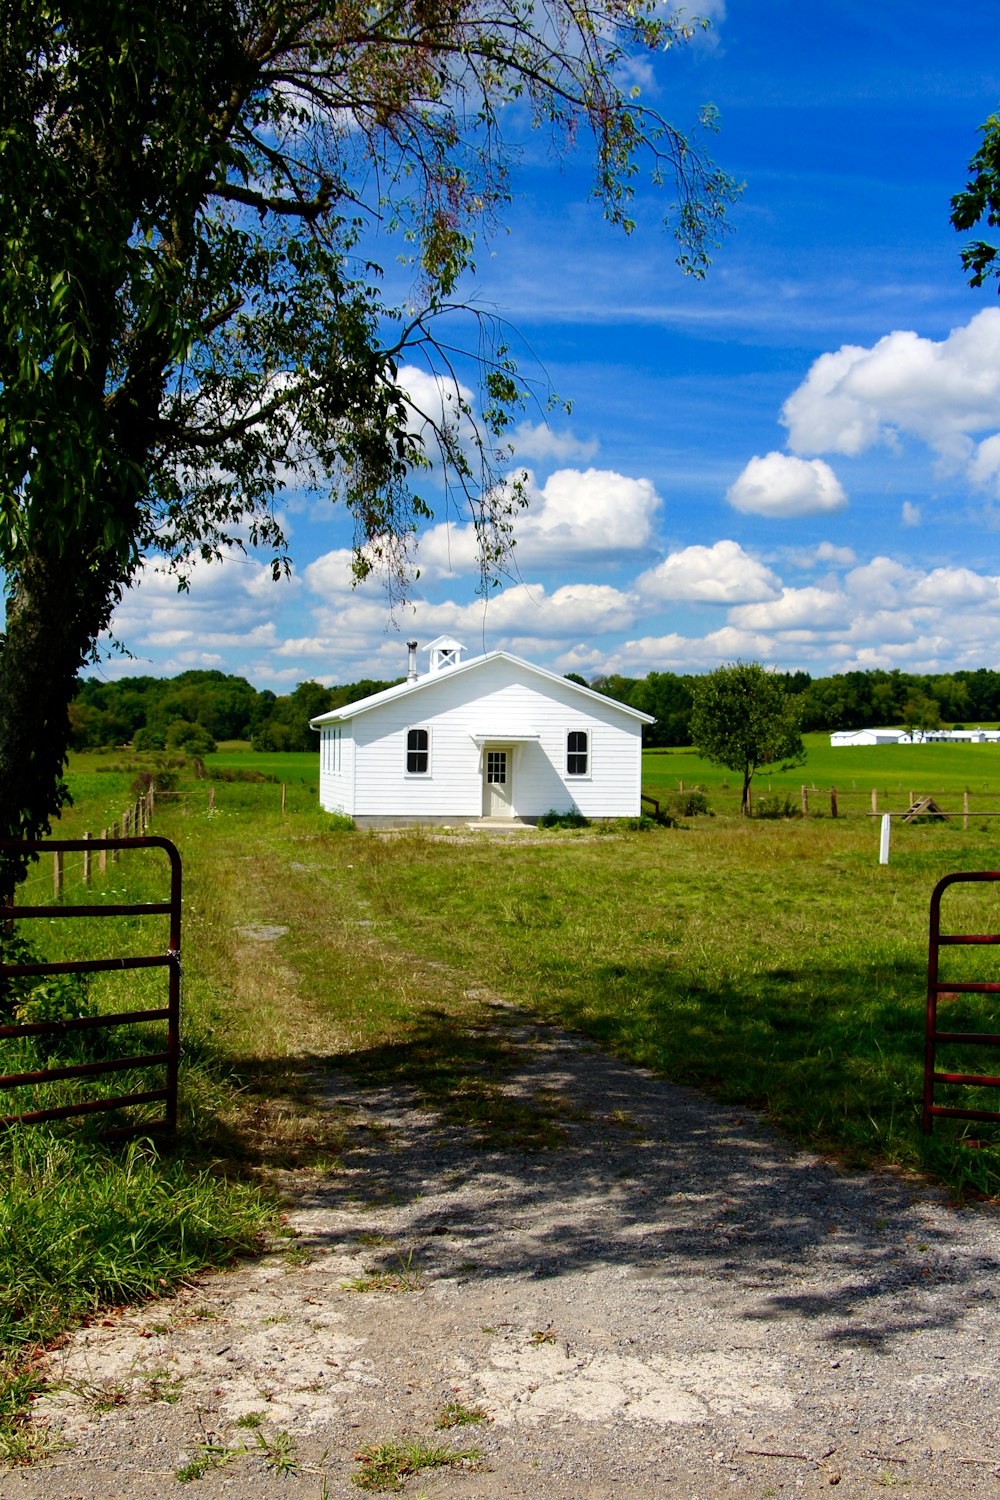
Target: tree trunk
[(745, 804), (55, 607)]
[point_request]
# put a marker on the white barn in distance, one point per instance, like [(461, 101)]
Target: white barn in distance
[(841, 738), (491, 737)]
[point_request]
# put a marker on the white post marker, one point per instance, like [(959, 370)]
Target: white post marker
[(883, 845)]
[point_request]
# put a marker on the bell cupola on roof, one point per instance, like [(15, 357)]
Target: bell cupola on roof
[(445, 652)]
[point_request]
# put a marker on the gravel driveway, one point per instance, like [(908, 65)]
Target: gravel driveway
[(672, 1303)]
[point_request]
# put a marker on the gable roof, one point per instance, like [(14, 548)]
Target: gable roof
[(429, 679)]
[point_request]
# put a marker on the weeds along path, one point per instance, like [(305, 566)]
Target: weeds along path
[(532, 1270)]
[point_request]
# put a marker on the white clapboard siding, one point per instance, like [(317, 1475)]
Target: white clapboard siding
[(494, 697), (336, 772)]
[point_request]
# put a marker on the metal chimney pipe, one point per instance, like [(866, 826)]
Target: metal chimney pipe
[(411, 663)]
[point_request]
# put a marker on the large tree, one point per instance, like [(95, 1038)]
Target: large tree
[(743, 717), (194, 195)]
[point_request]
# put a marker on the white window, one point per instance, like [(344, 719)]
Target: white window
[(577, 752), (496, 767), (418, 752), (331, 750)]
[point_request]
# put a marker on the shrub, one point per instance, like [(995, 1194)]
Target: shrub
[(776, 807), (337, 823), (15, 990), (687, 804), (572, 819), (148, 739), (193, 738)]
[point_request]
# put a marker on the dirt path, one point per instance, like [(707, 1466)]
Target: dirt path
[(671, 1304)]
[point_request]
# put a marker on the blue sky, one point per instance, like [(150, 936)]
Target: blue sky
[(796, 460)]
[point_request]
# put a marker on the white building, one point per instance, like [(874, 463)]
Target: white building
[(491, 737), (843, 737)]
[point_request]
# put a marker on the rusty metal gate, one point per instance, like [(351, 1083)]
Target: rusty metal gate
[(170, 960), (936, 990)]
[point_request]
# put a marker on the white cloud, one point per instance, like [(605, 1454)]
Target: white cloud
[(912, 514), (434, 399), (956, 586), (882, 582), (589, 512), (722, 574), (809, 608), (713, 11), (448, 550), (985, 465), (942, 392), (575, 514), (680, 653), (883, 626), (234, 602), (784, 487), (331, 574), (825, 555), (527, 609), (538, 442)]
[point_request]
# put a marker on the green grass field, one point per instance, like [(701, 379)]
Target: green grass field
[(941, 770), (773, 962)]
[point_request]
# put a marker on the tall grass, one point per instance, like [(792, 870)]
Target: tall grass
[(82, 1226)]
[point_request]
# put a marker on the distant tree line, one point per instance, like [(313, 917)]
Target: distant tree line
[(198, 708), (848, 700)]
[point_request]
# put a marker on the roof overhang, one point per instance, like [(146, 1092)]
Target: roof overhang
[(505, 737)]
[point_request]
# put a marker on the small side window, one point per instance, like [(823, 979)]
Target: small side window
[(576, 752), (418, 752)]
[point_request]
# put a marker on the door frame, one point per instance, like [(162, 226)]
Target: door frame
[(487, 803)]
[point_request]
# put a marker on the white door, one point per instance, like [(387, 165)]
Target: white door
[(498, 782)]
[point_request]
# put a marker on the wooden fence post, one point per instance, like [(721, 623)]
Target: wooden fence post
[(805, 802), (282, 799), (211, 797), (115, 853), (680, 786), (86, 863), (57, 874), (833, 802), (965, 808), (875, 800), (102, 858)]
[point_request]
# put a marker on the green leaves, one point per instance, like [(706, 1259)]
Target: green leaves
[(980, 201), (742, 717)]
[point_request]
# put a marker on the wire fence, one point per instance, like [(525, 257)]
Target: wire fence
[(83, 866), (903, 802)]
